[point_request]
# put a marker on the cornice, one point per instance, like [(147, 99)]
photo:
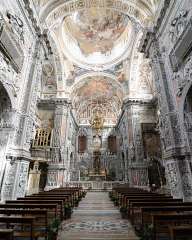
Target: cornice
[(150, 34), (52, 103), (40, 33)]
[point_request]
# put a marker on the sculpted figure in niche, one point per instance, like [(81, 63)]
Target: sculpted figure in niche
[(1, 21), (177, 25), (156, 174), (132, 152), (16, 25)]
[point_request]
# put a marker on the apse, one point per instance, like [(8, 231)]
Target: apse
[(97, 95)]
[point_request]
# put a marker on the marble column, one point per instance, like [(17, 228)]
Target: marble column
[(175, 151), (33, 180), (15, 180), (58, 167)]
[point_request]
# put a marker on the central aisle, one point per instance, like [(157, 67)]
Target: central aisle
[(96, 218)]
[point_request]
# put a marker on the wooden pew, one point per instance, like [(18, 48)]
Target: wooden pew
[(36, 211), (51, 208), (40, 214), (6, 234), (65, 198), (147, 198), (131, 203), (21, 220), (161, 223), (183, 232), (135, 210), (41, 202)]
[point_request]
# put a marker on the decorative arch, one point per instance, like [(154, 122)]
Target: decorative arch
[(82, 79), (10, 93), (6, 108), (97, 92), (54, 11), (183, 98)]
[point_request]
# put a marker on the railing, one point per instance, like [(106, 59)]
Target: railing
[(94, 185), (42, 138)]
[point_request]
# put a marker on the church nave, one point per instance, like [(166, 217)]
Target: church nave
[(96, 218)]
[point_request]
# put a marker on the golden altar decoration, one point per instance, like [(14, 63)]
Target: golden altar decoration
[(97, 122)]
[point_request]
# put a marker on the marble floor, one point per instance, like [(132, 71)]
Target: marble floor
[(96, 218)]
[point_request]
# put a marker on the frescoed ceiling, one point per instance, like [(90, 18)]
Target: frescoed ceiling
[(96, 30), (94, 36), (97, 94)]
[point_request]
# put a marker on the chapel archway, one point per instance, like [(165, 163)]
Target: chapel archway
[(6, 116), (188, 116)]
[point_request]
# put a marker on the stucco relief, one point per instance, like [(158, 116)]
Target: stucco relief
[(22, 179), (178, 24), (173, 177), (183, 76), (17, 26), (176, 128), (28, 132), (186, 177), (166, 131), (9, 179)]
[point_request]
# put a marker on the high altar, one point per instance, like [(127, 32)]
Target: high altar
[(98, 172)]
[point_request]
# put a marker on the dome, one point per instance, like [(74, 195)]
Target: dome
[(96, 38)]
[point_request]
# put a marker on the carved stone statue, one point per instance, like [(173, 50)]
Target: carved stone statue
[(16, 25), (96, 164)]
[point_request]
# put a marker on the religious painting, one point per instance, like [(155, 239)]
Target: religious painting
[(112, 144), (151, 140), (82, 144), (102, 26), (156, 174)]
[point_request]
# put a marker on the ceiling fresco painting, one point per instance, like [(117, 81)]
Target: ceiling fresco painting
[(97, 93), (96, 37), (96, 30), (96, 41)]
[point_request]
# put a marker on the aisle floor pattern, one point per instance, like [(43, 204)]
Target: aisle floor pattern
[(96, 218)]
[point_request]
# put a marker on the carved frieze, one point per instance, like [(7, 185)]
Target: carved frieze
[(165, 129), (186, 177), (173, 178), (22, 179), (11, 39), (9, 179), (177, 26), (183, 76)]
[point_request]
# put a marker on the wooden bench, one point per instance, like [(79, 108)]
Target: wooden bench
[(21, 220), (147, 198), (41, 202), (183, 232), (6, 234), (134, 205), (40, 214), (161, 223), (51, 208)]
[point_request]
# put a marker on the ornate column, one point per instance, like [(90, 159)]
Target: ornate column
[(58, 167), (34, 178), (175, 150), (14, 184), (137, 168), (18, 155)]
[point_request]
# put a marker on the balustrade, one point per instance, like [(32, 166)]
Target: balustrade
[(42, 138)]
